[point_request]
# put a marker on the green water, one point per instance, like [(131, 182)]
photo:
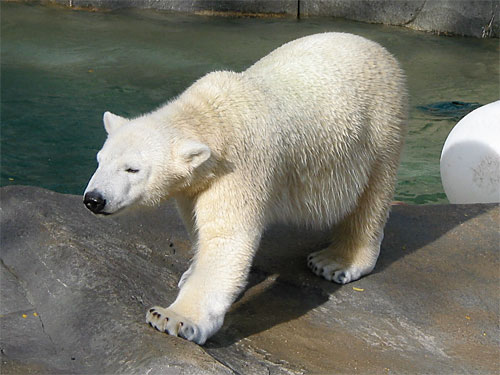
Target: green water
[(61, 69)]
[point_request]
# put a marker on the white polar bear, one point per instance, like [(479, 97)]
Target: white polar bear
[(310, 134)]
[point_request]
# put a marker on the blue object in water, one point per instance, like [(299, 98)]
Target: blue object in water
[(453, 110)]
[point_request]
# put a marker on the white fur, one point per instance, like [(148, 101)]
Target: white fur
[(310, 134)]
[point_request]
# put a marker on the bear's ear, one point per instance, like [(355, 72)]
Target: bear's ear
[(112, 122), (194, 153)]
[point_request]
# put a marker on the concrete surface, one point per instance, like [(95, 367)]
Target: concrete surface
[(479, 18), (75, 289)]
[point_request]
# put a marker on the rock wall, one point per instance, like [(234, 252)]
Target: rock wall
[(472, 18), (478, 18)]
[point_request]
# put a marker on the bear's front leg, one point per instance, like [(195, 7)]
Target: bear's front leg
[(219, 272)]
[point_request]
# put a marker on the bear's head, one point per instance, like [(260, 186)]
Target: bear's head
[(142, 162)]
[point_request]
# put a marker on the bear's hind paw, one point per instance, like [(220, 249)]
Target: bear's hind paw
[(322, 264)]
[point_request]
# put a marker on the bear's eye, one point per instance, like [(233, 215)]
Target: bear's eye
[(131, 170)]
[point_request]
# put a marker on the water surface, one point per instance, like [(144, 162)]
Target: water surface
[(61, 69)]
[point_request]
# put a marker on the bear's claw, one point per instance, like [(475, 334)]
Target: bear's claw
[(323, 264)]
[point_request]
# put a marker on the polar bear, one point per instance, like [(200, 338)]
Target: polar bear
[(311, 134)]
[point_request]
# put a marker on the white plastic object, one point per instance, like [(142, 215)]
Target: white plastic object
[(470, 160)]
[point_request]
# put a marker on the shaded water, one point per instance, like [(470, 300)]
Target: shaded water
[(61, 69)]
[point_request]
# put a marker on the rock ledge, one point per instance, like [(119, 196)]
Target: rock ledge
[(75, 289)]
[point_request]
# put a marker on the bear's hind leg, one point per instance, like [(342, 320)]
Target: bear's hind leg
[(357, 238)]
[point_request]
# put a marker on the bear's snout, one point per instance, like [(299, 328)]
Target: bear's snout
[(94, 201)]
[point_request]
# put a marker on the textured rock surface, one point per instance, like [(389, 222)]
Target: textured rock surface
[(259, 7), (460, 17), (75, 289), (479, 18)]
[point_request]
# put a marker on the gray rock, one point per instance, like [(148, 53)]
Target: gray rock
[(471, 18), (479, 18), (390, 12), (75, 289), (256, 7)]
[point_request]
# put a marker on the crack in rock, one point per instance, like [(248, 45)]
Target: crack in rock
[(223, 363), (417, 13), (29, 299), (47, 334)]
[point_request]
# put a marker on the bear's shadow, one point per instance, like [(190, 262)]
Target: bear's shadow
[(281, 288)]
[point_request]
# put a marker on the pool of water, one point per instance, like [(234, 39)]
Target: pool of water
[(61, 69)]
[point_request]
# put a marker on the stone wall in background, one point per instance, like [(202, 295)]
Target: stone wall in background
[(471, 18), (478, 18)]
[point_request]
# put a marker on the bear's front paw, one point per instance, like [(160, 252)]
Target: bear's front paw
[(168, 321)]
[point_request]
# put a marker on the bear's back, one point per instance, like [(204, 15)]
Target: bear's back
[(329, 76), (334, 91)]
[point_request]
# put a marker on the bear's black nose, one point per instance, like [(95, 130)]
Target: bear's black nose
[(94, 201)]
